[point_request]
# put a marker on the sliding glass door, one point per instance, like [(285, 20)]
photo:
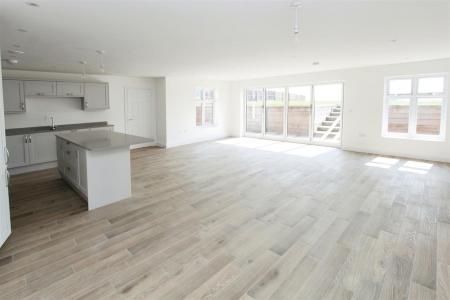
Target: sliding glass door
[(309, 113), (327, 113), (299, 112), (254, 110), (275, 111)]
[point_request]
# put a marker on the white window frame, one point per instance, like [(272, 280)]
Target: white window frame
[(200, 98), (414, 96)]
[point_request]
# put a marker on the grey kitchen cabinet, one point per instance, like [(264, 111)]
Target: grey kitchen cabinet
[(31, 149), (96, 96), (72, 164), (13, 96), (69, 89), (42, 147), (39, 88), (18, 150)]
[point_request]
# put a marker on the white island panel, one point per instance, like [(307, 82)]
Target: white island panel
[(108, 176)]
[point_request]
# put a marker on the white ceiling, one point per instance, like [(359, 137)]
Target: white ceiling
[(221, 39)]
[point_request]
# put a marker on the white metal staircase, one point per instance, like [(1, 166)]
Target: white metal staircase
[(330, 128)]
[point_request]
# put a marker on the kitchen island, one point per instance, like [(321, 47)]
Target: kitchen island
[(97, 164)]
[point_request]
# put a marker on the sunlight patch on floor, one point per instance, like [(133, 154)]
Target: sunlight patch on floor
[(297, 149), (382, 162), (281, 147), (410, 166), (310, 151)]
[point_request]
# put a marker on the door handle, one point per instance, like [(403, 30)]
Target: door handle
[(6, 155), (8, 177), (25, 138), (29, 139)]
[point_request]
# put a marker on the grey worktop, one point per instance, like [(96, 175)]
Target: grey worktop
[(64, 127), (102, 140)]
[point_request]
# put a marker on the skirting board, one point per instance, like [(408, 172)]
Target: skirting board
[(387, 153), (32, 168)]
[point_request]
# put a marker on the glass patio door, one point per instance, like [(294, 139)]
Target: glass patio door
[(307, 114), (327, 113), (299, 109)]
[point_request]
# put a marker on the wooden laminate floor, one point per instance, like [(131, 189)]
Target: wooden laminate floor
[(237, 219)]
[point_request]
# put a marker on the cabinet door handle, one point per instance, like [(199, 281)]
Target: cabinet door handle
[(25, 139), (8, 177), (29, 139), (86, 104), (7, 155), (22, 106)]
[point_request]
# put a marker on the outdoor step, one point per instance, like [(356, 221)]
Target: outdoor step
[(330, 118), (335, 114), (327, 123)]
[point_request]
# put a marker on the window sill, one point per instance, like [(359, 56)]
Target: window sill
[(417, 139), (207, 126)]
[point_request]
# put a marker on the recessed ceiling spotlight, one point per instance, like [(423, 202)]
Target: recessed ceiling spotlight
[(15, 51), (316, 63), (13, 61), (393, 41), (22, 30), (32, 4)]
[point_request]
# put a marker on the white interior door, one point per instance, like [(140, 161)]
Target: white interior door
[(5, 220), (140, 112)]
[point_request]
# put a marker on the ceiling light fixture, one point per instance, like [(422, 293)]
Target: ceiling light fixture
[(297, 5), (12, 51), (102, 65), (32, 4), (22, 30), (316, 63), (11, 61), (83, 63)]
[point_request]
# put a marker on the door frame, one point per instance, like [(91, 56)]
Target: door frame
[(284, 137), (152, 116)]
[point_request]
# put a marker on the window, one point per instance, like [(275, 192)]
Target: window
[(205, 107), (415, 107)]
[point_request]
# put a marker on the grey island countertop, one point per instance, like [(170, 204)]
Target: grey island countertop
[(62, 127), (102, 140)]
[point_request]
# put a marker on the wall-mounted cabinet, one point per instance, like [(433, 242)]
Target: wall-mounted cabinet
[(13, 96), (40, 88), (94, 95), (69, 89)]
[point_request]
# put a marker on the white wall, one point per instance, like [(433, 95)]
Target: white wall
[(161, 111), (180, 111), (68, 110), (363, 107), (5, 220)]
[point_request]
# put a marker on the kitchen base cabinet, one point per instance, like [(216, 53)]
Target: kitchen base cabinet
[(100, 177), (42, 147), (18, 150), (37, 148)]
